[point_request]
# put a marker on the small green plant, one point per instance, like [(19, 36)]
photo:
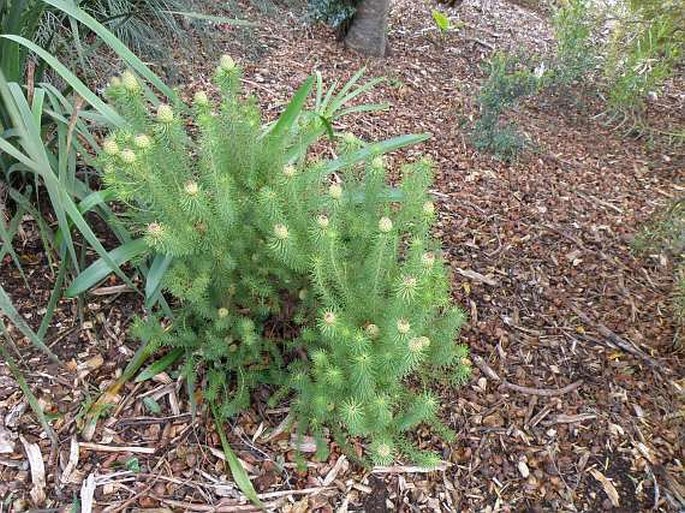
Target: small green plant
[(312, 276), (506, 84), (441, 21)]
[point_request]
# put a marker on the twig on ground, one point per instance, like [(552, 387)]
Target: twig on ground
[(480, 42), (485, 368), (547, 392), (571, 419), (614, 338), (189, 506), (408, 469), (590, 198), (109, 291), (111, 448), (477, 277)]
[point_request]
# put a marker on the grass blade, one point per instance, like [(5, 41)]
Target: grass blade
[(24, 386), (291, 113), (154, 278), (237, 470), (160, 365), (100, 269), (73, 81), (373, 150), (7, 307)]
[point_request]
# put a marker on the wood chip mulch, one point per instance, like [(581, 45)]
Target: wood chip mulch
[(577, 396)]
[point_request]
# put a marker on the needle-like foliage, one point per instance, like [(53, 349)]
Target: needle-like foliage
[(314, 276)]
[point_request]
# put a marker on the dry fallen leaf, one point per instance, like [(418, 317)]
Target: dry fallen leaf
[(37, 470), (608, 486)]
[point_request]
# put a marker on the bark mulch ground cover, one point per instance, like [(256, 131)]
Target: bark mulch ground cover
[(576, 401)]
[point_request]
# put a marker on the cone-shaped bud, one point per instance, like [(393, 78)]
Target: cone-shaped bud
[(303, 294), (165, 114), (110, 147), (289, 171), (281, 231), (127, 156), (335, 191), (323, 221), (191, 188), (129, 81), (383, 451), (403, 326), (349, 138), (408, 287), (385, 225), (334, 376), (372, 331), (226, 63), (428, 259), (155, 230), (201, 98), (418, 344), (329, 318), (142, 141)]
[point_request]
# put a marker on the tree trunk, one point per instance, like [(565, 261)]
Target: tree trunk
[(369, 28)]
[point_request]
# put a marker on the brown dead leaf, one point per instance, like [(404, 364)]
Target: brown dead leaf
[(608, 486)]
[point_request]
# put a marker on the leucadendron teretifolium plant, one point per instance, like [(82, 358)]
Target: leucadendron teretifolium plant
[(326, 285)]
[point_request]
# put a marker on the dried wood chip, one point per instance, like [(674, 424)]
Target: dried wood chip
[(88, 494), (12, 418), (6, 442), (523, 469), (37, 470), (646, 452), (341, 466), (484, 367), (608, 486), (69, 470), (91, 364), (409, 469)]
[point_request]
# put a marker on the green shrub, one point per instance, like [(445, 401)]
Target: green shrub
[(506, 84), (645, 48), (309, 275), (139, 24), (575, 53)]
